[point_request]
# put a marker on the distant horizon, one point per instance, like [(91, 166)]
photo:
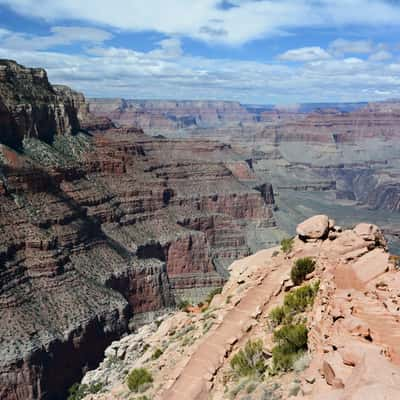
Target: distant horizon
[(237, 101)]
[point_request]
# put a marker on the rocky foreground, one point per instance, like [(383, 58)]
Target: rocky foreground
[(353, 340)]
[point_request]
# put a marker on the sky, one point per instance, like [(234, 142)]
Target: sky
[(252, 51)]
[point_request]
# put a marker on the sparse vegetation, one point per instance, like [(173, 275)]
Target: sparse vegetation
[(157, 354), (295, 302), (287, 245), (301, 268), (291, 343), (250, 360), (137, 378), (291, 337), (78, 391), (277, 315), (299, 299)]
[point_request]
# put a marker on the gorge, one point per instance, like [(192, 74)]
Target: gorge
[(112, 211)]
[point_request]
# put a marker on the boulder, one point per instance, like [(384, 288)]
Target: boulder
[(313, 228), (371, 234)]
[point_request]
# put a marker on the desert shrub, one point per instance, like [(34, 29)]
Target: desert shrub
[(299, 299), (157, 354), (287, 245), (250, 360), (137, 378), (295, 302), (79, 391), (277, 315), (291, 343), (301, 268)]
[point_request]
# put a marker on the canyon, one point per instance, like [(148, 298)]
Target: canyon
[(341, 157), (102, 228), (115, 212)]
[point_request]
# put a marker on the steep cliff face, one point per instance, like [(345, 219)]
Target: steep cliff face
[(100, 230), (34, 108)]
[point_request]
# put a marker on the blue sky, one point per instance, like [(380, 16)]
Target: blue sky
[(253, 51)]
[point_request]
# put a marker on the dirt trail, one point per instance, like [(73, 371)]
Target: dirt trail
[(194, 381)]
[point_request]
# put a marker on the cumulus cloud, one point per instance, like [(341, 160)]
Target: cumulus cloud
[(305, 54), (111, 71), (234, 22), (59, 35)]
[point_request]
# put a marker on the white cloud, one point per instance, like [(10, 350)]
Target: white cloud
[(381, 55), (207, 20), (342, 46), (169, 48), (304, 54), (111, 72), (60, 35)]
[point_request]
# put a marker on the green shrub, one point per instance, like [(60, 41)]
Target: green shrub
[(301, 268), (249, 361), (157, 354), (78, 391), (137, 378), (299, 299), (277, 315), (287, 245), (295, 302), (291, 343)]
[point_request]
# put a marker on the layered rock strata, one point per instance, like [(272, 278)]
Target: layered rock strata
[(99, 230)]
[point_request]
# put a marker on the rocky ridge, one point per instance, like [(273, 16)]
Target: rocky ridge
[(352, 327)]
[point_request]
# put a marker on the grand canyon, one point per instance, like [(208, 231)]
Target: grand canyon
[(119, 217)]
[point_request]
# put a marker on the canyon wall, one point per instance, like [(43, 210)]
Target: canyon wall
[(101, 226), (168, 115)]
